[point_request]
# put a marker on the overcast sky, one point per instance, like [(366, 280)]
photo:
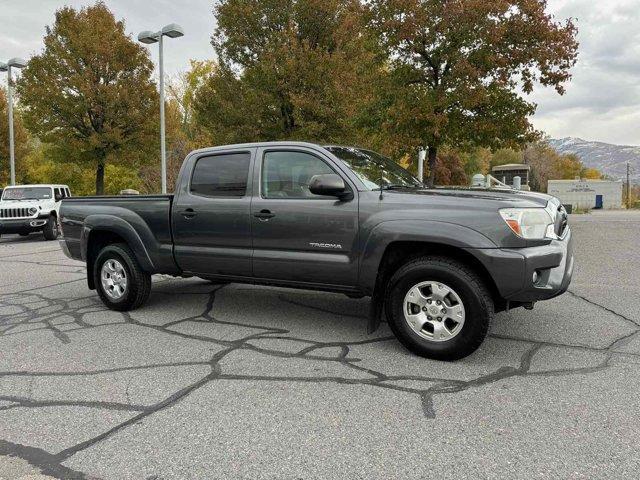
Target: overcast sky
[(602, 101)]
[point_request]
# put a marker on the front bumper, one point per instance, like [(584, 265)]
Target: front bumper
[(22, 225), (513, 270)]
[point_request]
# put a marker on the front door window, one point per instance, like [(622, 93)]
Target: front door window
[(287, 174)]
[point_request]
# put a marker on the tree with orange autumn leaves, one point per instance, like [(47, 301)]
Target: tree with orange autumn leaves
[(458, 69)]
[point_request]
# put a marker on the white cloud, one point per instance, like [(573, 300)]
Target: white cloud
[(602, 102)]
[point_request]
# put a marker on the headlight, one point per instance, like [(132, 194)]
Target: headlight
[(33, 211), (530, 223)]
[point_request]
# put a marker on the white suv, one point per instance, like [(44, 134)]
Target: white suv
[(31, 208)]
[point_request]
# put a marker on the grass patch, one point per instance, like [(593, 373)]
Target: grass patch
[(581, 211)]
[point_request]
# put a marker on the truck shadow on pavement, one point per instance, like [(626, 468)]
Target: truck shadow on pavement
[(253, 333)]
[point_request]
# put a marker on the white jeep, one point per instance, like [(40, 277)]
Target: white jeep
[(32, 208)]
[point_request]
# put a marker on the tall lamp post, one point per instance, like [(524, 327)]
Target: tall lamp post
[(15, 63), (172, 31)]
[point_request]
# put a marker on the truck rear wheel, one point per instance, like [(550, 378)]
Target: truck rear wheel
[(50, 230), (121, 284), (439, 308)]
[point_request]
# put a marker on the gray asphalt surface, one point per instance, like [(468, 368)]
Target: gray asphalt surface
[(252, 382)]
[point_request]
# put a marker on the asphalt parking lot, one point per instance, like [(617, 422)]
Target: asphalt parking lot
[(251, 382)]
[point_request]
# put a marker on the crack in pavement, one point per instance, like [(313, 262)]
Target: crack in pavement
[(607, 309), (47, 463), (39, 310)]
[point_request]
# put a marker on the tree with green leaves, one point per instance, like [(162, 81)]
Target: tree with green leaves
[(182, 90), (458, 68), (89, 94), (503, 156), (288, 69)]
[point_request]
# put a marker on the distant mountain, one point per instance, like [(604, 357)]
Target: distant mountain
[(608, 158)]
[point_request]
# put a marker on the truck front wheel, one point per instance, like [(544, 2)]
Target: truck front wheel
[(121, 284), (439, 308)]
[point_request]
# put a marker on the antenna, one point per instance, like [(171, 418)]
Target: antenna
[(381, 180)]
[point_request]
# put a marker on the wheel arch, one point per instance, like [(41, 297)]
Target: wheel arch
[(417, 237), (98, 233), (400, 252)]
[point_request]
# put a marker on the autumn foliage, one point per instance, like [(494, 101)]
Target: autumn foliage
[(89, 94), (391, 75)]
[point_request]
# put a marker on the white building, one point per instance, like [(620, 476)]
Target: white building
[(586, 194)]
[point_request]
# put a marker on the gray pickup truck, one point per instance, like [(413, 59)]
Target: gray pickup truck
[(438, 262)]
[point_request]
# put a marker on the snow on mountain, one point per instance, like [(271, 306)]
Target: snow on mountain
[(610, 159)]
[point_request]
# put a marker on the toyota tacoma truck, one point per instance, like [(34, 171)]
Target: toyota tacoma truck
[(438, 263), (32, 208)]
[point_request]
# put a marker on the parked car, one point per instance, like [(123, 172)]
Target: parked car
[(32, 208), (439, 262)]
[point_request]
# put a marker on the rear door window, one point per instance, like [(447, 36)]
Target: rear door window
[(223, 175)]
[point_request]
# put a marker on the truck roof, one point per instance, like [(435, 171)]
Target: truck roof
[(284, 143)]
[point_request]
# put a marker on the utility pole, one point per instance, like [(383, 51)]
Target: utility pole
[(628, 187)]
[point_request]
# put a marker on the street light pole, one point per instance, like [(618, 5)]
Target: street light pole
[(173, 31), (18, 63), (12, 155), (163, 148)]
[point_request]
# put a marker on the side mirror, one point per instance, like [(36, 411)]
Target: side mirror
[(328, 184), (57, 197)]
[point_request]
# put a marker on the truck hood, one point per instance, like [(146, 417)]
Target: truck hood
[(501, 198), (473, 209)]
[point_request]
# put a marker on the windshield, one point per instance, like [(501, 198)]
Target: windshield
[(27, 193), (375, 169)]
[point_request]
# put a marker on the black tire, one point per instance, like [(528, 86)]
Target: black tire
[(472, 291), (50, 230), (138, 281)]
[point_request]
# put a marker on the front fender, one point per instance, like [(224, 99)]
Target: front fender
[(133, 230), (385, 233)]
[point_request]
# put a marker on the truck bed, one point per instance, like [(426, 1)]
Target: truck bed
[(150, 216)]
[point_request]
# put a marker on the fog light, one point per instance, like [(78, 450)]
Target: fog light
[(535, 277)]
